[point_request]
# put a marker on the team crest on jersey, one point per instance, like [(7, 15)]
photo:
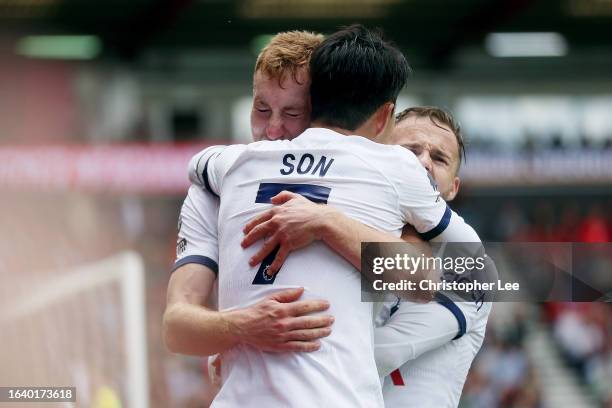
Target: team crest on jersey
[(266, 275), (181, 246)]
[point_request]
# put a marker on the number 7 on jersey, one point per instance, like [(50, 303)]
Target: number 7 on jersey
[(313, 192)]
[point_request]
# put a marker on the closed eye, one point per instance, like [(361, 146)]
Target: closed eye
[(441, 159)]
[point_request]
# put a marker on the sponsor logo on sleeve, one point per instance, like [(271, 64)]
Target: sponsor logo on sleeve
[(181, 246)]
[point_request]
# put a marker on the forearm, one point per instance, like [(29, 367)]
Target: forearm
[(278, 323), (196, 330), (412, 331), (344, 235)]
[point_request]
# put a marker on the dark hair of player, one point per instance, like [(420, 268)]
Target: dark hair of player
[(353, 73)]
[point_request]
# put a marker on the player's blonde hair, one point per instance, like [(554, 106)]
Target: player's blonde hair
[(287, 53)]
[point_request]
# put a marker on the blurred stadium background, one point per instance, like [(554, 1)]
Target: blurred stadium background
[(102, 104)]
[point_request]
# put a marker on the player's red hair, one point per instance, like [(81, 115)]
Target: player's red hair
[(287, 53)]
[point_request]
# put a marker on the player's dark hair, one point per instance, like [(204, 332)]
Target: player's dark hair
[(353, 73)]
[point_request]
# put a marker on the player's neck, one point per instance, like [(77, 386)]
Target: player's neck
[(361, 131), (318, 124)]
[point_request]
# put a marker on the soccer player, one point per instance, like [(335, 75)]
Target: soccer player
[(423, 351), (280, 322), (383, 186)]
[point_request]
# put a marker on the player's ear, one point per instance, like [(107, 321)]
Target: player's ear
[(384, 118), (454, 189)]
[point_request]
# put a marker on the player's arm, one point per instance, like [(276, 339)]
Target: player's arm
[(275, 324), (295, 222), (189, 326), (414, 329)]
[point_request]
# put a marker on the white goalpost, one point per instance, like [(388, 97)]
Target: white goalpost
[(85, 325)]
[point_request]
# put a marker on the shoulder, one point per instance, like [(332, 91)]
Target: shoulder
[(393, 155), (222, 156), (405, 157), (217, 150)]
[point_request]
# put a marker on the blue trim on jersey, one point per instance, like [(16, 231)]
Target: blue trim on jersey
[(197, 259), (438, 229), (196, 169), (395, 307), (454, 309), (205, 177), (316, 194)]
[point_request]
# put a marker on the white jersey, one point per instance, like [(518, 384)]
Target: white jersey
[(437, 342), (381, 186), (424, 350), (197, 230)]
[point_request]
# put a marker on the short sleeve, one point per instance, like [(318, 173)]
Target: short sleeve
[(208, 167), (201, 169), (197, 230), (411, 330)]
